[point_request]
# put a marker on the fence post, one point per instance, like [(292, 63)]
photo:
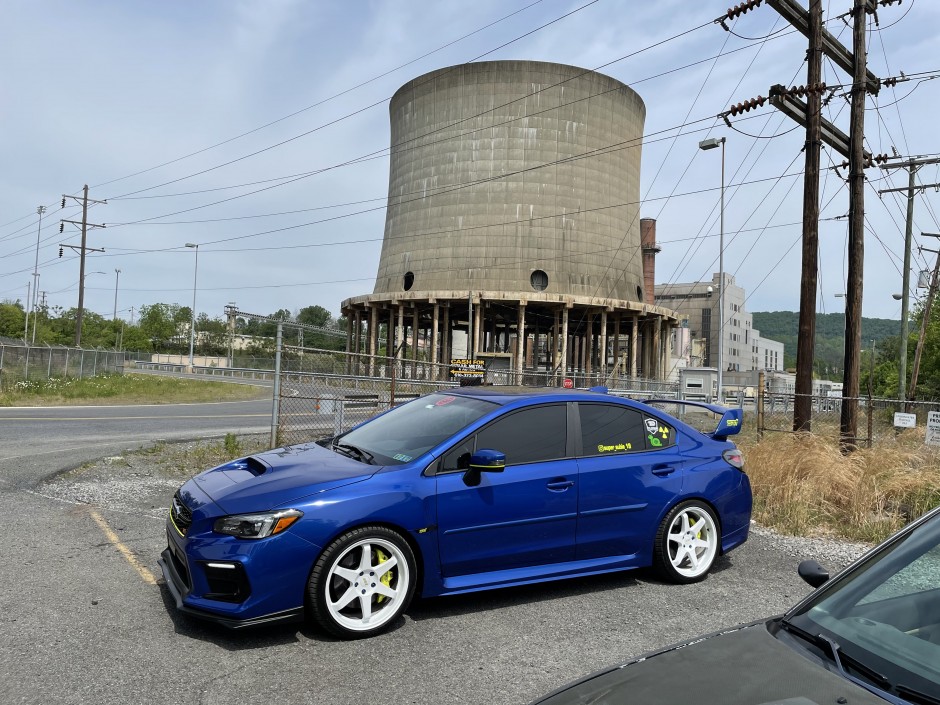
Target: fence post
[(275, 407), (27, 363), (81, 365), (760, 405), (66, 374), (339, 414), (49, 368), (869, 418)]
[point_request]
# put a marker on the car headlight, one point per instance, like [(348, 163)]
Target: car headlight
[(257, 526)]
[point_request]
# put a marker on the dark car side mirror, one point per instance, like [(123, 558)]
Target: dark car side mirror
[(813, 573), (484, 460)]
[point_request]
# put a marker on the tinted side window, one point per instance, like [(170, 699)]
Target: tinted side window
[(610, 428), (529, 435)]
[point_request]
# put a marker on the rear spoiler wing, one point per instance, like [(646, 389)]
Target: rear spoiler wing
[(728, 425)]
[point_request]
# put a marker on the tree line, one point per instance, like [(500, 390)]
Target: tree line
[(881, 348), (164, 328)]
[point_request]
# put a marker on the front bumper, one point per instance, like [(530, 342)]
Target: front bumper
[(179, 590), (236, 582)]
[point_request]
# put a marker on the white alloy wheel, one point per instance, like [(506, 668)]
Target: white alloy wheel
[(687, 543), (367, 582)]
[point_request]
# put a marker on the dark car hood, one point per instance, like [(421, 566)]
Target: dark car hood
[(747, 666), (279, 477)]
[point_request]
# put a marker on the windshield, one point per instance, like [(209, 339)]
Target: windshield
[(414, 428), (887, 614)]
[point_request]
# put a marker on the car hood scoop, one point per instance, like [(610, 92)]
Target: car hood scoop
[(741, 667), (279, 477)]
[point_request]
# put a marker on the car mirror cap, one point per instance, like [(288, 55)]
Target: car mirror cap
[(813, 573)]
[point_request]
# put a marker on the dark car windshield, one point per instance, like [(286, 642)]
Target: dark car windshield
[(886, 615), (411, 429)]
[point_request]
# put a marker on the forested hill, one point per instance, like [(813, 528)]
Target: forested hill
[(830, 327)]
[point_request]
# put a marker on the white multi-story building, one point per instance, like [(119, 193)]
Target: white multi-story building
[(743, 347)]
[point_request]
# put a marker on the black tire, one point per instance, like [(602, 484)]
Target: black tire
[(679, 555), (342, 589)]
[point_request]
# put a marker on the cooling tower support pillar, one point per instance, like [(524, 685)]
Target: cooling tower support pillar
[(435, 322), (634, 334), (564, 342), (655, 370), (520, 341)]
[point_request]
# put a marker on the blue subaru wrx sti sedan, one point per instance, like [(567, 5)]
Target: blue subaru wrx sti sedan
[(456, 491)]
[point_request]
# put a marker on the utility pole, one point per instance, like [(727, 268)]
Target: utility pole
[(81, 270), (820, 131), (912, 165), (806, 339), (117, 278), (32, 303), (931, 292), (848, 426)]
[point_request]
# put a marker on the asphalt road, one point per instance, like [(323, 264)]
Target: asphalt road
[(83, 621)]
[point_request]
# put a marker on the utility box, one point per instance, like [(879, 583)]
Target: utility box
[(698, 384)]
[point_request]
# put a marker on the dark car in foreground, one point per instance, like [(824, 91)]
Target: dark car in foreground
[(457, 491), (869, 635)]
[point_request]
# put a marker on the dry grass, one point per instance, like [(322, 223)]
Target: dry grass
[(803, 485)]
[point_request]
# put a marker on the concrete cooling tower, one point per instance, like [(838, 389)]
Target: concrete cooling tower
[(514, 186)]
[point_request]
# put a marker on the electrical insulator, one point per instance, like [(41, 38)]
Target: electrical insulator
[(60, 252), (63, 201), (739, 10), (61, 226)]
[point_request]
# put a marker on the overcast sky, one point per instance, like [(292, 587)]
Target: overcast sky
[(150, 103)]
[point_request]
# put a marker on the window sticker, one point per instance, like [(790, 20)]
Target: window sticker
[(601, 448), (402, 457), (664, 432), (652, 425), (654, 441), (445, 401)]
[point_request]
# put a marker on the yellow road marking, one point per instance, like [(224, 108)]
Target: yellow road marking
[(141, 569)]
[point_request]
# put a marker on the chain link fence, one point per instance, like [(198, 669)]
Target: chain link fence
[(774, 414), (321, 393), (23, 363)]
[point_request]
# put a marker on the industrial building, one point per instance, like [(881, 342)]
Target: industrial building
[(696, 304), (513, 231)]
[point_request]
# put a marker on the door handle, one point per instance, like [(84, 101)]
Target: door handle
[(663, 470), (560, 485)]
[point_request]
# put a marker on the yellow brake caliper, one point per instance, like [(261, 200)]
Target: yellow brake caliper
[(386, 578)]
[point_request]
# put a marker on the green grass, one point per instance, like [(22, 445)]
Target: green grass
[(124, 389)]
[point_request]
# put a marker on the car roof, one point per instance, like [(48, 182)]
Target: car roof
[(506, 394)]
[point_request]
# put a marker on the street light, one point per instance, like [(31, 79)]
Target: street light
[(712, 143), (192, 322)]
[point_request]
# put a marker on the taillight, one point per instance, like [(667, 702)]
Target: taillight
[(734, 458)]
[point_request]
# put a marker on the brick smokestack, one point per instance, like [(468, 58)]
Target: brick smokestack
[(648, 244)]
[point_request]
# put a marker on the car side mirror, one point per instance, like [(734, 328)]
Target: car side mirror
[(484, 460), (813, 573)]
